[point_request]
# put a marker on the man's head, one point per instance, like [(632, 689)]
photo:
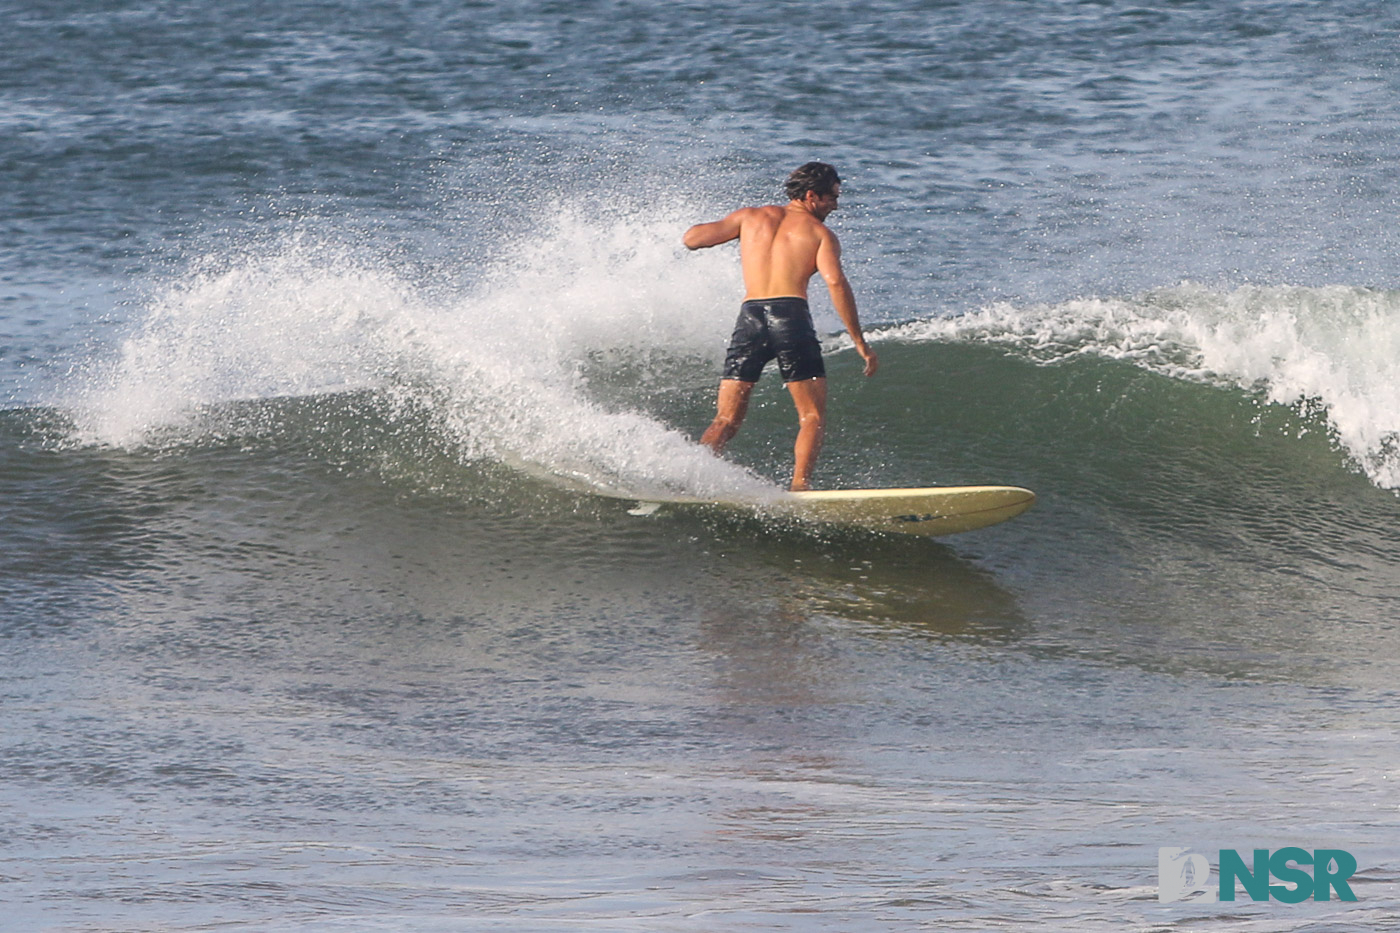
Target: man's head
[(815, 177)]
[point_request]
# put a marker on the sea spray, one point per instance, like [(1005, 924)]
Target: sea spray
[(498, 368), (1334, 350)]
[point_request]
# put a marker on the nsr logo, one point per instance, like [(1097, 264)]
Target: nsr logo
[(1182, 873)]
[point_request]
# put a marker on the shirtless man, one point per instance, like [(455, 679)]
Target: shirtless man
[(780, 249)]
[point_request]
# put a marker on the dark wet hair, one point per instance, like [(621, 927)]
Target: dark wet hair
[(816, 177)]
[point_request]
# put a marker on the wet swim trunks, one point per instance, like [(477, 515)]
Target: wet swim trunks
[(770, 328)]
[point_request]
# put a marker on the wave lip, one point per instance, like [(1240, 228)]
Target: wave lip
[(1331, 350)]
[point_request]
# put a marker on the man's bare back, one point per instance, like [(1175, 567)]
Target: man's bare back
[(780, 249), (777, 250)]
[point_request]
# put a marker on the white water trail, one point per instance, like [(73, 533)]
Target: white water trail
[(498, 368)]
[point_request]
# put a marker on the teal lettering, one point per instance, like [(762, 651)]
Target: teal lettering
[(1324, 878), (1302, 881), (1256, 883)]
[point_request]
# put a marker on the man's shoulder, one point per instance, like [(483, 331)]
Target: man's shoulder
[(818, 229), (765, 211)]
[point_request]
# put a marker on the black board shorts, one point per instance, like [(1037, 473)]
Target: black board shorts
[(774, 328)]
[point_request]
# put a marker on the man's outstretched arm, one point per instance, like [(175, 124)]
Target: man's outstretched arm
[(712, 234)]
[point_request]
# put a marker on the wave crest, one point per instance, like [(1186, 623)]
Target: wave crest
[(1334, 350)]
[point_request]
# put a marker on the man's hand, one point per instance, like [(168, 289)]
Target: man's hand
[(872, 362)]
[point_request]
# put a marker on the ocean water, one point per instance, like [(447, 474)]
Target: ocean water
[(317, 320)]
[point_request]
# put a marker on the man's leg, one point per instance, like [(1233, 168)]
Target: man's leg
[(731, 407), (809, 396)]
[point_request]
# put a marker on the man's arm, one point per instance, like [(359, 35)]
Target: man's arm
[(701, 236), (843, 299)]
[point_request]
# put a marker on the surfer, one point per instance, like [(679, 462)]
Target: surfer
[(780, 248)]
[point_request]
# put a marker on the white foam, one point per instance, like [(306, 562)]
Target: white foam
[(1335, 349), (498, 366)]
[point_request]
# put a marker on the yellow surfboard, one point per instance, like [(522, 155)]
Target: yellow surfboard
[(932, 510)]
